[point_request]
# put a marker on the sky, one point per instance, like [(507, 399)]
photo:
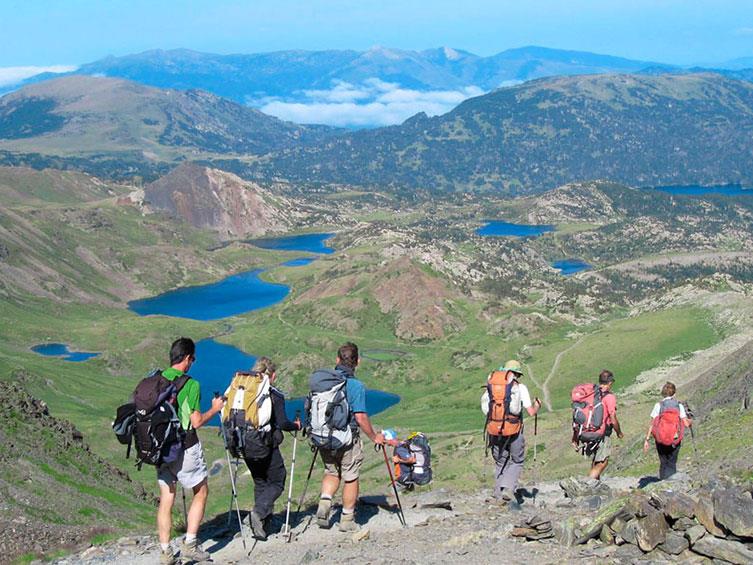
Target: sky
[(70, 32)]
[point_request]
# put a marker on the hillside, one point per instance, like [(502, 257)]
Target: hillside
[(637, 129), (285, 74), (80, 117)]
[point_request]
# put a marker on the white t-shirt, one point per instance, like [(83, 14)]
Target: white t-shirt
[(657, 409), (519, 399)]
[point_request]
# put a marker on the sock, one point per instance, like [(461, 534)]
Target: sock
[(348, 510), (190, 538), (326, 497), (164, 547)]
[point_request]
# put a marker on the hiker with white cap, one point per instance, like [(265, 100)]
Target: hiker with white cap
[(503, 403)]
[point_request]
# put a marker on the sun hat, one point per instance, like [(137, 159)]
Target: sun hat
[(512, 365)]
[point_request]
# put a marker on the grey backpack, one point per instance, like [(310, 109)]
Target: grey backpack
[(328, 415)]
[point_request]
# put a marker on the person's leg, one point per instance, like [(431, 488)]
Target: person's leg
[(501, 456), (672, 456), (258, 469), (516, 453), (269, 483), (330, 483), (164, 512), (601, 458), (198, 505), (350, 495), (598, 468), (662, 453)]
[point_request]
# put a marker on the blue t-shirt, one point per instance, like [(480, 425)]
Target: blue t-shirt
[(356, 393)]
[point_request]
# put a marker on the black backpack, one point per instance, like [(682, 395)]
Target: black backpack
[(151, 422)]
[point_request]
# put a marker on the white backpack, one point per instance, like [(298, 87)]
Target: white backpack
[(328, 414)]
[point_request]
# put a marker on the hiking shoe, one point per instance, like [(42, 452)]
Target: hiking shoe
[(192, 552), (257, 526), (506, 496), (347, 523), (322, 512), (167, 557)]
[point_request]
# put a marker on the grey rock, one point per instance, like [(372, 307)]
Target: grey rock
[(651, 530), (309, 557), (733, 509), (607, 535), (674, 544), (694, 534), (704, 513), (679, 505), (727, 550), (626, 553), (565, 531), (628, 532), (683, 524), (575, 487)]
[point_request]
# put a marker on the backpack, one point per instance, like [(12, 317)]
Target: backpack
[(247, 416), (150, 421), (328, 417), (668, 428), (420, 472), (501, 419), (588, 412)]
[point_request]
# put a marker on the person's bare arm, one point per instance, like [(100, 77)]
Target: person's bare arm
[(534, 408), (198, 419), (616, 426), (362, 419)]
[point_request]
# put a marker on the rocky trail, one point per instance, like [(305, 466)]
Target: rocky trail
[(621, 520)]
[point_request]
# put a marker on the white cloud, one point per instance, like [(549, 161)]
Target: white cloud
[(13, 75), (373, 102), (744, 31)]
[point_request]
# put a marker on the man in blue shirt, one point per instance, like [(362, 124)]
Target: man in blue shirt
[(346, 464)]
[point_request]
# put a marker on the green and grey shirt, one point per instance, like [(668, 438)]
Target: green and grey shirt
[(189, 401)]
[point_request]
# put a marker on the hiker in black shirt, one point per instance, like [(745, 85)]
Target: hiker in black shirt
[(269, 473)]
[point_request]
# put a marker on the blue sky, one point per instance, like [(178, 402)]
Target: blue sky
[(69, 32)]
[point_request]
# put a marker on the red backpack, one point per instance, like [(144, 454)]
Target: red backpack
[(668, 427), (588, 412)]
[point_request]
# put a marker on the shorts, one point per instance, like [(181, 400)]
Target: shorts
[(345, 464), (190, 469), (604, 450)]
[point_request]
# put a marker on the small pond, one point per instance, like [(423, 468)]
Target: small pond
[(569, 267), (311, 242), (61, 350), (499, 228), (299, 262)]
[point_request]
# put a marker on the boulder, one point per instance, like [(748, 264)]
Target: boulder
[(674, 544), (694, 534), (733, 509), (627, 553), (683, 524), (704, 513), (628, 532), (679, 505), (651, 530), (565, 531), (574, 487), (607, 535), (726, 550)]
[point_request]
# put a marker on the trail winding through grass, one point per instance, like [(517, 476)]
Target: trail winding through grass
[(555, 367)]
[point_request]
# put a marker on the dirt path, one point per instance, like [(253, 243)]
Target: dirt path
[(555, 366)]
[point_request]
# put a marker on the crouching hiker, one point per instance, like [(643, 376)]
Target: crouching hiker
[(668, 422), (594, 418), (190, 469), (255, 420), (412, 458), (336, 414), (503, 403)]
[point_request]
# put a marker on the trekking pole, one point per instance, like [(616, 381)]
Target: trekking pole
[(305, 488), (286, 531), (535, 449), (400, 514), (185, 511), (232, 481)]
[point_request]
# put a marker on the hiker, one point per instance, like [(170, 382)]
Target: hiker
[(599, 446), (412, 459), (503, 403), (668, 422), (269, 472), (191, 468), (341, 449)]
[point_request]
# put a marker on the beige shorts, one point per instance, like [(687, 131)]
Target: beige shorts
[(346, 464), (604, 450), (189, 470)]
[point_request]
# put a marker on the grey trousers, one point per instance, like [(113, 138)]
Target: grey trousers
[(509, 454)]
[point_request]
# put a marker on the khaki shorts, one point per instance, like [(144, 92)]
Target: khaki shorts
[(346, 464), (604, 450), (189, 470)]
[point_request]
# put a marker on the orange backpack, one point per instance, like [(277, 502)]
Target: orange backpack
[(500, 421)]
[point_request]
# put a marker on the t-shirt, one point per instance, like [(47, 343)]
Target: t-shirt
[(189, 397), (610, 408), (657, 409), (355, 391), (519, 395)]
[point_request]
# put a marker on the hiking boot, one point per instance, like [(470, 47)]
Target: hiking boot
[(257, 526), (506, 496), (347, 523), (192, 552), (167, 557), (322, 512)]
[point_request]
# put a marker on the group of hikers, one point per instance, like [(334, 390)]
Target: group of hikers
[(163, 418)]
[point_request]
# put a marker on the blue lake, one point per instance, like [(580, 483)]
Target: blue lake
[(311, 242), (61, 350), (697, 190), (299, 262), (499, 228), (571, 266), (233, 295)]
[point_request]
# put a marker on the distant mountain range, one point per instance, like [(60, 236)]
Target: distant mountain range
[(647, 129), (255, 77)]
